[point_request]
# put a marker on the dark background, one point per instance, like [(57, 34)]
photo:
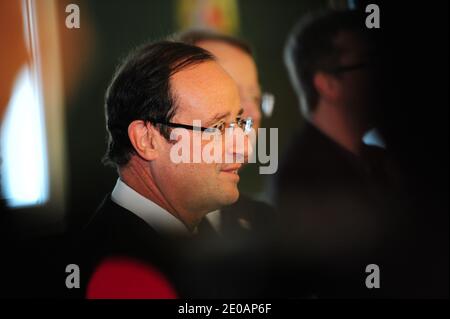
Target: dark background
[(413, 118)]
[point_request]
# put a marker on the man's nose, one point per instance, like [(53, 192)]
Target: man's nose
[(239, 145)]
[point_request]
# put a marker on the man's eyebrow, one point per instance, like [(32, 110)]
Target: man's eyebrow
[(221, 116), (217, 117)]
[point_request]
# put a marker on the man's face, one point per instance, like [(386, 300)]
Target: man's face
[(207, 93), (358, 86), (242, 69)]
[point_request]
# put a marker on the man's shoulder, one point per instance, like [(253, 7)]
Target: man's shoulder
[(114, 229), (310, 144), (312, 155), (112, 217), (115, 233), (248, 203), (248, 212)]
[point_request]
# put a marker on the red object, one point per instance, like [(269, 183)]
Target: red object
[(124, 278)]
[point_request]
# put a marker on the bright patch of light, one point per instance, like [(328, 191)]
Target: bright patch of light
[(23, 146), (374, 138)]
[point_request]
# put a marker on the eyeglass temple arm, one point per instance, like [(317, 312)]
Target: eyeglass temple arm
[(177, 125)]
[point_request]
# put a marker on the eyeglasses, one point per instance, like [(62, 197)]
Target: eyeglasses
[(349, 68), (245, 124)]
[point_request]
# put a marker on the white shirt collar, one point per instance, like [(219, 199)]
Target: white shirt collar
[(214, 219), (158, 218)]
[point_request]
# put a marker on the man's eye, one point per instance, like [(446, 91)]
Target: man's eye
[(219, 127)]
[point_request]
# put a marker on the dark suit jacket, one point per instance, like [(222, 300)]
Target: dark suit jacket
[(204, 266), (339, 211), (247, 217), (114, 231)]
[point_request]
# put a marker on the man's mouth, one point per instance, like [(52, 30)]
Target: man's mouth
[(232, 169)]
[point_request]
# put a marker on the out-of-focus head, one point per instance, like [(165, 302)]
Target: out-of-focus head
[(173, 83), (330, 56), (235, 56)]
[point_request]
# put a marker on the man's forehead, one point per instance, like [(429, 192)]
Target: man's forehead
[(204, 89)]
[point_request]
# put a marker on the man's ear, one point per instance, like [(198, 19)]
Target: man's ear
[(327, 86), (142, 137)]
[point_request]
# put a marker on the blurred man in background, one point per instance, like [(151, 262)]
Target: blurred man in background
[(340, 197)]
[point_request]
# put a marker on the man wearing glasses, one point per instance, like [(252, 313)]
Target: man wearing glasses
[(336, 192), (236, 57), (161, 87)]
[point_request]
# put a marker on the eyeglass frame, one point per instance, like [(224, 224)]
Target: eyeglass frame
[(202, 129), (352, 67)]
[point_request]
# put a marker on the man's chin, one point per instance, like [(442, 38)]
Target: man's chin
[(230, 197)]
